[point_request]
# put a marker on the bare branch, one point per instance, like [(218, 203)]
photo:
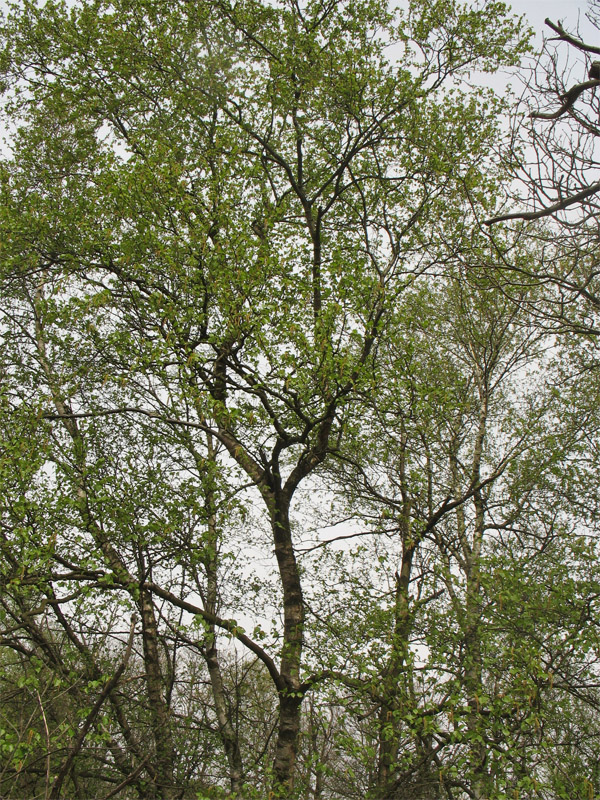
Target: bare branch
[(568, 100), (567, 37), (225, 624), (108, 688), (546, 212)]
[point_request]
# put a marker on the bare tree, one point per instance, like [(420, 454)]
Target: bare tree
[(561, 129)]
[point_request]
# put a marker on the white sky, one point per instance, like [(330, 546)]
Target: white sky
[(570, 12)]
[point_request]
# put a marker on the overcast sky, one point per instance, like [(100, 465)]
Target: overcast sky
[(569, 11)]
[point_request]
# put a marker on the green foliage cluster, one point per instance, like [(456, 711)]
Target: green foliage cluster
[(298, 462)]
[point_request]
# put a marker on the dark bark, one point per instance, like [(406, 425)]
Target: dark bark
[(290, 698), (393, 694)]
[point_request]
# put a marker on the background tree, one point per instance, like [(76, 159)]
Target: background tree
[(453, 483), (553, 156)]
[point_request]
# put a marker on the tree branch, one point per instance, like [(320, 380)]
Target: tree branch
[(108, 687), (225, 624), (568, 99), (567, 37), (546, 212)]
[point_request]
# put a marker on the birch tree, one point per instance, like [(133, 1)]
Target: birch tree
[(209, 212)]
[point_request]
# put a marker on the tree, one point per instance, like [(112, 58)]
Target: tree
[(446, 473), (552, 154), (562, 133), (210, 213)]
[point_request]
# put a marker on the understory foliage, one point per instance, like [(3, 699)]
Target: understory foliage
[(298, 462)]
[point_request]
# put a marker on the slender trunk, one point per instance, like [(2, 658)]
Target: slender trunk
[(394, 698), (473, 658), (112, 557), (391, 690), (290, 699), (161, 729), (227, 732), (473, 677), (159, 711)]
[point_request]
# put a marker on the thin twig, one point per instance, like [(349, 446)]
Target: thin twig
[(47, 786)]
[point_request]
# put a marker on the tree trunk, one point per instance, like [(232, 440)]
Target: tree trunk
[(159, 712), (473, 659), (472, 625), (227, 732), (290, 699), (393, 695)]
